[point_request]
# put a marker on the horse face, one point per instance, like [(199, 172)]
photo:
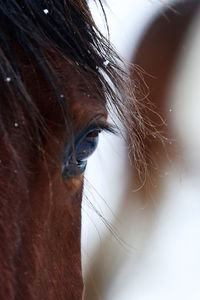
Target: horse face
[(41, 253)]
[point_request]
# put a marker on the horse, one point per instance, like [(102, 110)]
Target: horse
[(58, 78), (145, 217), (157, 58)]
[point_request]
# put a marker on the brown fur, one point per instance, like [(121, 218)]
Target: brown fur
[(41, 220), (156, 54)]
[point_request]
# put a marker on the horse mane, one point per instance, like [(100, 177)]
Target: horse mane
[(67, 28)]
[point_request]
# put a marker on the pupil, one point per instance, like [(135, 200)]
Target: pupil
[(87, 146)]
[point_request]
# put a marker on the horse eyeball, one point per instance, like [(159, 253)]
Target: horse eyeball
[(75, 164)]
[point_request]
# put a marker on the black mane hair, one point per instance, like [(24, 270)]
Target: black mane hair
[(65, 26)]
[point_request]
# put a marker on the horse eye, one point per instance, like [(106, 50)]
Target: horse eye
[(75, 164)]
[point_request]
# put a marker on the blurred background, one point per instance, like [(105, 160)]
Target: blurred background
[(142, 241)]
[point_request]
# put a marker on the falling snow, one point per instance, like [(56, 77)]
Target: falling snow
[(106, 62), (8, 79), (16, 124), (45, 11)]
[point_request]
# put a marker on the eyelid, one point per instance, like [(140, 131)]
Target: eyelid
[(102, 126)]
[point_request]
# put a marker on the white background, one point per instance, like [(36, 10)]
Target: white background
[(168, 264)]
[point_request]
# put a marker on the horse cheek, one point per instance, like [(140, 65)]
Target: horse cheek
[(60, 246)]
